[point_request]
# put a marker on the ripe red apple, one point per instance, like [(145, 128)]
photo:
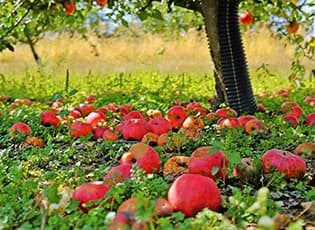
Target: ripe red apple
[(292, 165), (94, 118), (75, 113), (110, 135), (90, 191), (49, 118), (211, 165), (160, 125), (90, 99), (133, 129), (118, 174), (133, 115), (86, 109), (80, 129), (176, 115), (226, 112), (246, 18), (20, 127), (196, 107), (291, 119), (244, 119), (98, 132), (229, 122), (145, 156), (190, 193), (310, 100), (309, 118), (69, 7)]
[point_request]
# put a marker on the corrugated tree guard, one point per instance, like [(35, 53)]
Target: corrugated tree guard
[(232, 82)]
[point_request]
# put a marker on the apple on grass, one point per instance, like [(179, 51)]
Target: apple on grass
[(80, 129), (88, 192), (49, 118), (191, 193), (145, 156), (246, 18), (20, 127)]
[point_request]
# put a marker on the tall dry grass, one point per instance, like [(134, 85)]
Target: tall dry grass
[(147, 52)]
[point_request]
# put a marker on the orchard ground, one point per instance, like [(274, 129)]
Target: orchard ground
[(148, 73)]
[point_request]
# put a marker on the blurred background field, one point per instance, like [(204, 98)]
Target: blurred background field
[(131, 58), (136, 52)]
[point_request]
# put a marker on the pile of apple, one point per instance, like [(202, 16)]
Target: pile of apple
[(194, 187)]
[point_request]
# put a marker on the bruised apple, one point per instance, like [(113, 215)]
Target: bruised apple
[(145, 156), (90, 191), (176, 115), (190, 193), (292, 165)]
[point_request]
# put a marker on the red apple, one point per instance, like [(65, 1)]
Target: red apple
[(288, 105), (226, 112), (133, 115), (246, 18), (211, 165), (160, 125), (118, 174), (291, 119), (310, 117), (125, 109), (229, 122), (310, 100), (90, 99), (196, 107), (88, 192), (20, 127), (190, 193), (163, 207), (146, 157), (110, 135), (133, 129), (86, 109), (80, 129), (255, 124), (98, 132), (176, 115), (292, 165), (75, 113), (94, 118), (49, 118), (244, 119)]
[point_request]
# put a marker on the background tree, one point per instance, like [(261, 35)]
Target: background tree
[(28, 20)]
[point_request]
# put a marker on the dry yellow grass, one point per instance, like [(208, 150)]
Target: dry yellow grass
[(141, 53)]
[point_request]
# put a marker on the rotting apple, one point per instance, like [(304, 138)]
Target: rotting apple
[(190, 193), (176, 166), (195, 122), (145, 156), (163, 207), (292, 165), (305, 148), (176, 115)]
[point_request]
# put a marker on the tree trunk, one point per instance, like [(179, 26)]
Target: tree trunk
[(232, 83), (32, 46)]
